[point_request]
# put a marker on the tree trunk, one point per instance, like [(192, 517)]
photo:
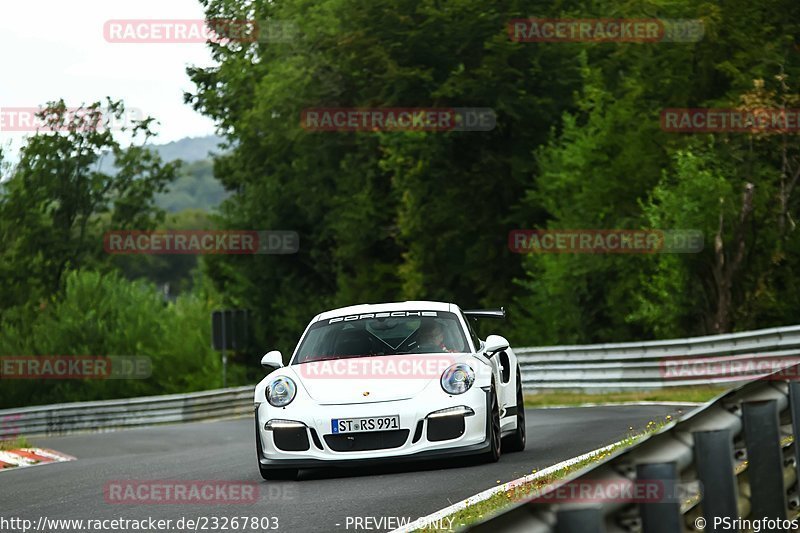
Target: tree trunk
[(727, 266)]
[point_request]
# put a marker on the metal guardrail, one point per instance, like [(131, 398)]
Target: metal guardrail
[(61, 419), (596, 368), (656, 364), (737, 457)]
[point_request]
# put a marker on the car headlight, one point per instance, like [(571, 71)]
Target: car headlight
[(458, 379), (280, 392)]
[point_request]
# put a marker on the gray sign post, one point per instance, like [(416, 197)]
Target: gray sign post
[(229, 331)]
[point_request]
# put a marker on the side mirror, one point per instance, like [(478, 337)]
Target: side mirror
[(272, 360), (494, 344)]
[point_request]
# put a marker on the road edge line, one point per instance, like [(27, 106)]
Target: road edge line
[(616, 404), (488, 493)]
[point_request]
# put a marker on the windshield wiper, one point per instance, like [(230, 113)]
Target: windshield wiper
[(335, 357)]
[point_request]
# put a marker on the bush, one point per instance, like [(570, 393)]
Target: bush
[(106, 315)]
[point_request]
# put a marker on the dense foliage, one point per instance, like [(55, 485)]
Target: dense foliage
[(578, 144), (424, 215), (104, 315)]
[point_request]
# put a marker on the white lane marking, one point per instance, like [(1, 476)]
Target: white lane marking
[(488, 493), (612, 404)]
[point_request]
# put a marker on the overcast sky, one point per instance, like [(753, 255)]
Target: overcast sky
[(54, 49)]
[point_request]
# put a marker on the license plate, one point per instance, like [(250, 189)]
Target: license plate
[(361, 425)]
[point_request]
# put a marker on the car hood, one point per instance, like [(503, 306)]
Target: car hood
[(372, 379)]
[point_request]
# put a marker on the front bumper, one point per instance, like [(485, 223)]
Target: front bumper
[(410, 443)]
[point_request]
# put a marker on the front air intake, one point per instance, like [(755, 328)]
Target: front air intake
[(372, 440)]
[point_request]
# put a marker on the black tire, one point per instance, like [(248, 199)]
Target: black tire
[(278, 474), (495, 437), (516, 441), (273, 474)]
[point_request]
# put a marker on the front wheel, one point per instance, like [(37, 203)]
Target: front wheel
[(495, 439), (278, 474), (516, 441), (272, 474)]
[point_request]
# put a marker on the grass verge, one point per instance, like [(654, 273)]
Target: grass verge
[(677, 394), (14, 444), (500, 500)]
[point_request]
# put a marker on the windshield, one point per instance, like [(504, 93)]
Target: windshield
[(416, 332)]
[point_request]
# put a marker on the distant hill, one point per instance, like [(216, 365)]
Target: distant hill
[(196, 187), (189, 149)]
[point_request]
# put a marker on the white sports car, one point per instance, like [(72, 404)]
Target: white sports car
[(389, 382)]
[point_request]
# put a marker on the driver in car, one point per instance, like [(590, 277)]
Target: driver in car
[(431, 338)]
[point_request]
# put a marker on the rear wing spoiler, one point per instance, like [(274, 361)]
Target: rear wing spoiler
[(486, 313)]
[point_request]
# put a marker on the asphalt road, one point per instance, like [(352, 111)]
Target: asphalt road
[(321, 500)]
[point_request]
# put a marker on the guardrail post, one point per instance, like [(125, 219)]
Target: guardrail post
[(663, 516), (764, 459), (794, 403), (580, 520), (714, 457)]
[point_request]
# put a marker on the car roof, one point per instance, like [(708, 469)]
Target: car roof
[(384, 307)]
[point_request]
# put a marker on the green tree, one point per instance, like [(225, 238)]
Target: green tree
[(610, 165), (52, 205), (106, 315), (739, 188), (381, 216)]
